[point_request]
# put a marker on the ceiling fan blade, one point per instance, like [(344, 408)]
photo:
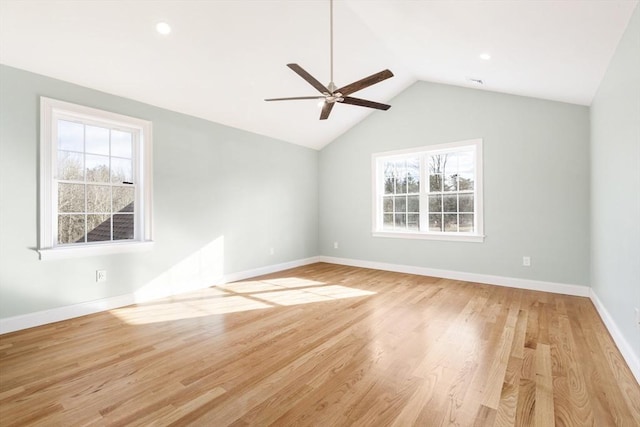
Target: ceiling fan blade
[(326, 110), (309, 78), (294, 98), (366, 82), (364, 103)]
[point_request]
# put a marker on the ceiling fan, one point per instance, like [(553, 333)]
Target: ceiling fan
[(331, 93)]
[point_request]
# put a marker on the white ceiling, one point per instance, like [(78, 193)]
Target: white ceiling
[(223, 57)]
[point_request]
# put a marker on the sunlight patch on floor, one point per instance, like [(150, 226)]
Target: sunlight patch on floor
[(294, 282), (172, 311), (236, 297), (251, 286), (309, 295)]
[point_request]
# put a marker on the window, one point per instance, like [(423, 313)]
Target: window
[(95, 181), (432, 192)]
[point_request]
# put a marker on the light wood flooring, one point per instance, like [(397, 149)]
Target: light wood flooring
[(325, 345)]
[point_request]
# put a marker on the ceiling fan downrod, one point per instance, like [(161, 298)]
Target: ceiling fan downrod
[(331, 83)]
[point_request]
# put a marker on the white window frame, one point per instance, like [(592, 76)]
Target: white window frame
[(52, 110), (423, 152)]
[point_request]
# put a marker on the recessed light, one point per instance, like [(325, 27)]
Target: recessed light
[(163, 28), (485, 56)]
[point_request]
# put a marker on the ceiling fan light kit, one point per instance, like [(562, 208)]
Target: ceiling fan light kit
[(331, 93)]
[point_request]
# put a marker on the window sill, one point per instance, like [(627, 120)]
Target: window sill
[(430, 236), (78, 251)]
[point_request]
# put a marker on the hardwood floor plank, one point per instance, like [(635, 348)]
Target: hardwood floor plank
[(544, 415), (324, 345), (531, 337), (572, 405), (486, 417), (506, 412), (528, 368), (498, 368), (520, 334), (526, 403)]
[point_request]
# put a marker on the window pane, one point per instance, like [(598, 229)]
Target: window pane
[(123, 198), (435, 222), (70, 229), (387, 221), (465, 181), (451, 172), (437, 164), (389, 183), (401, 185), (121, 170), (450, 222), (413, 204), (413, 222), (70, 165), (121, 144), (97, 140), (450, 203), (413, 176), (465, 162), (401, 177), (466, 223), (389, 180), (466, 168), (70, 136), (400, 220), (71, 198), (401, 204), (435, 203), (387, 204), (466, 203), (98, 228), (98, 198), (122, 226), (97, 168), (435, 182), (451, 182)]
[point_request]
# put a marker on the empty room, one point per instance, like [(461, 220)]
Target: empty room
[(320, 213)]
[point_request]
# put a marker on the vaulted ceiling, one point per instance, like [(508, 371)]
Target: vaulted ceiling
[(222, 58)]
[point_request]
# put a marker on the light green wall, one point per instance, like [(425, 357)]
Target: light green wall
[(210, 181), (615, 186), (536, 183)]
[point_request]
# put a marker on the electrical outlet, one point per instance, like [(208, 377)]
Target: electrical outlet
[(335, 245), (272, 251), (526, 261), (101, 276), (637, 310)]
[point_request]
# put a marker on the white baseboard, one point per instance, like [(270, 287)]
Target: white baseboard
[(632, 359), (30, 320), (512, 282), (38, 318)]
